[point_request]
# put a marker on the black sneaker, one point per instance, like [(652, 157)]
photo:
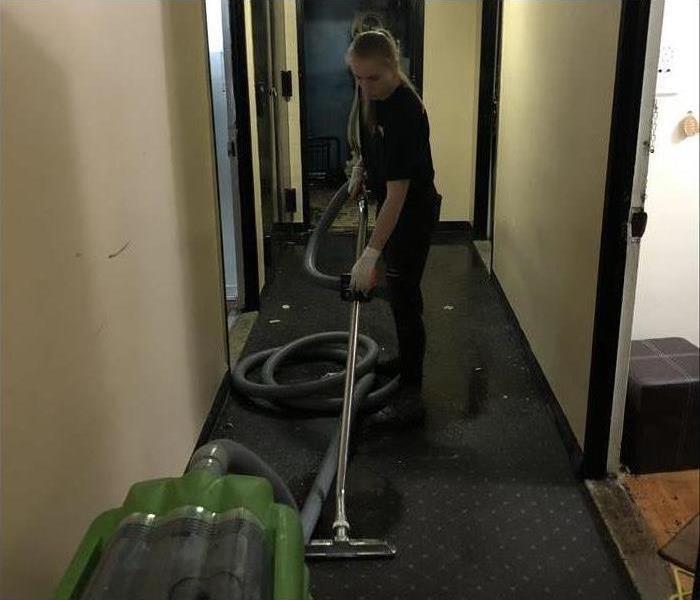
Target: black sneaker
[(403, 410)]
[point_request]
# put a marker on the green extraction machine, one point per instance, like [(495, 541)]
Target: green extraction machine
[(229, 529)]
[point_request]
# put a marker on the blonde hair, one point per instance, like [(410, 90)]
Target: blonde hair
[(377, 44)]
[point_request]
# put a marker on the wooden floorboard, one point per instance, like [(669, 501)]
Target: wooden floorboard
[(667, 500)]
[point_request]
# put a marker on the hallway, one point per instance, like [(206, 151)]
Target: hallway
[(481, 502)]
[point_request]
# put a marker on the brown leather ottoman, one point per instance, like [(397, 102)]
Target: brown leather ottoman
[(662, 416)]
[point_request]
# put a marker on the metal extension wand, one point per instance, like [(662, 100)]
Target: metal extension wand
[(342, 546)]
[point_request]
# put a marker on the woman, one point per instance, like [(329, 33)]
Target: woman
[(395, 165)]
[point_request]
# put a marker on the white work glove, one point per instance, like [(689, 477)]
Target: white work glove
[(357, 178), (364, 275)]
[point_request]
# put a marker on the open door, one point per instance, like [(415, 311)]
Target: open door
[(638, 56), (221, 69), (635, 230)]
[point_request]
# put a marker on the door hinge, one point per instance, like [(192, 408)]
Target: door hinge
[(290, 200), (287, 85), (638, 224)]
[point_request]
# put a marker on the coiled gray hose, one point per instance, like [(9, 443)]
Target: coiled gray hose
[(303, 395), (331, 282)]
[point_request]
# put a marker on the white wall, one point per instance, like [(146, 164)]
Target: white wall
[(667, 286), (110, 360), (451, 91), (557, 83), (289, 111)]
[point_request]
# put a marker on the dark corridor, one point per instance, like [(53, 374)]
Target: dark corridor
[(481, 501)]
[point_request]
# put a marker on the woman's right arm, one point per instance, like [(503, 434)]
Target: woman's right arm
[(389, 214)]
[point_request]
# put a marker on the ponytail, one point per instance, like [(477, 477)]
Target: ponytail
[(378, 44)]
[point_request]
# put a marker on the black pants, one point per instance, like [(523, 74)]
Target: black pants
[(404, 255)]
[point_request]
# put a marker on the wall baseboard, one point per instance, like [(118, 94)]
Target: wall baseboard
[(454, 226), (452, 232), (299, 233), (553, 407), (216, 410)]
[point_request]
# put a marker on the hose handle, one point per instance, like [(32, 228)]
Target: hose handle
[(349, 295)]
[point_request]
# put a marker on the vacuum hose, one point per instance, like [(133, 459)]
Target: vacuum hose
[(307, 395)]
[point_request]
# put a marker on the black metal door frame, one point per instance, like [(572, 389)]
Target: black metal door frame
[(301, 80), (417, 27), (627, 99), (245, 156), (487, 121)]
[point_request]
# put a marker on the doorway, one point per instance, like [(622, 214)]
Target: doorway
[(326, 30), (224, 112), (652, 434), (487, 134), (266, 107)]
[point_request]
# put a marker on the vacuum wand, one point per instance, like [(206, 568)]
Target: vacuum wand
[(341, 525), (342, 546)]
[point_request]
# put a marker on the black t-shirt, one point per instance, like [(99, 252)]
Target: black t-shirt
[(399, 147)]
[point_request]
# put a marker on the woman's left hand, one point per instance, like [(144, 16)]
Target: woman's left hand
[(364, 274)]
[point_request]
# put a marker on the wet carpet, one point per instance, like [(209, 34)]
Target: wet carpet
[(481, 501)]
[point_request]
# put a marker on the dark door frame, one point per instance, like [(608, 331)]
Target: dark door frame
[(244, 149), (417, 27), (217, 181), (301, 82), (627, 99), (487, 121)]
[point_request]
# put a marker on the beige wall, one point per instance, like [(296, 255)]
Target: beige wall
[(109, 365), (288, 114), (556, 102), (451, 91)]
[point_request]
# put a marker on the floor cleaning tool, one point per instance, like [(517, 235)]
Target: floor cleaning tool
[(341, 545), (229, 529), (359, 359)]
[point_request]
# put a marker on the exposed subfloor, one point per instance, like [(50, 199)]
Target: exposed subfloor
[(667, 502), (481, 501)]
